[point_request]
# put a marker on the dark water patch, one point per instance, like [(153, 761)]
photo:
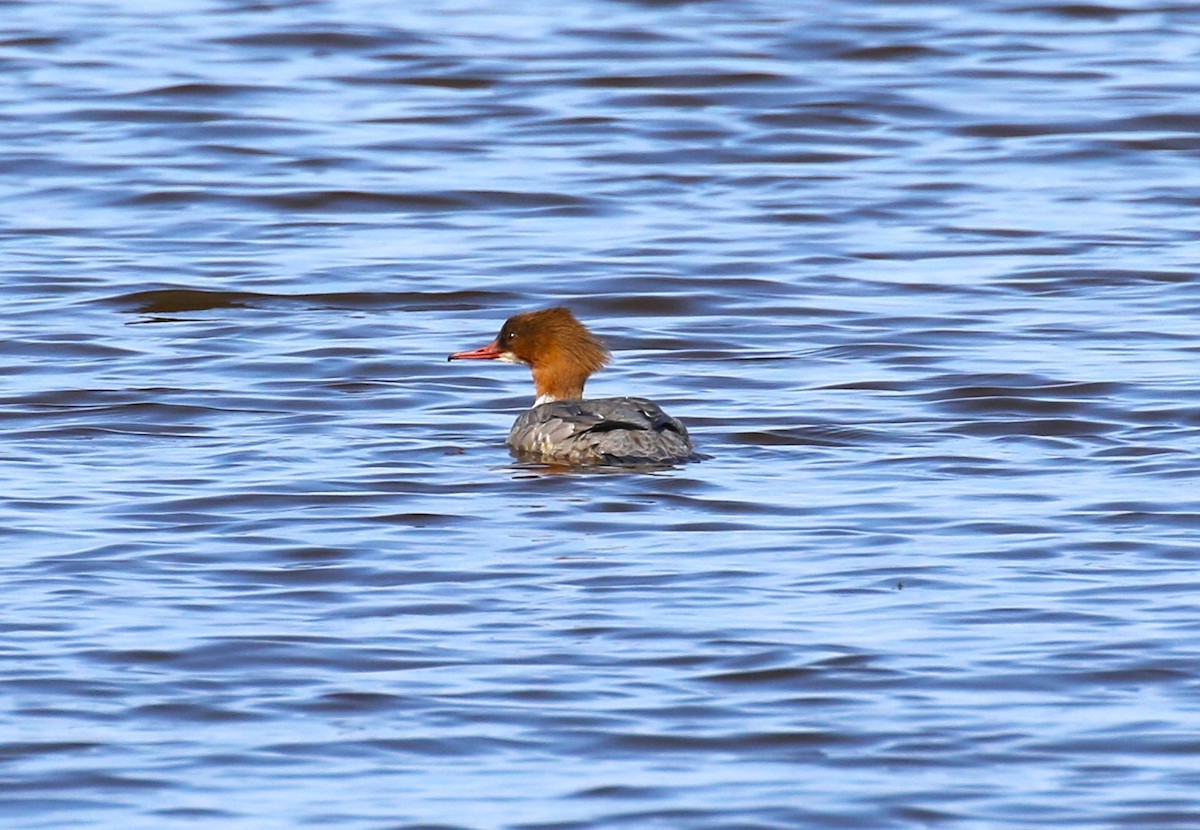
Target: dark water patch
[(200, 89), (987, 528), (795, 218), (875, 350), (787, 677), (146, 115), (659, 100), (1034, 427), (830, 114), (954, 465), (246, 501), (97, 780), (193, 712), (727, 155), (307, 574), (1034, 402), (1172, 122), (318, 201), (448, 747), (265, 653), (235, 150), (463, 82), (179, 300), (410, 519), (359, 202), (715, 80), (741, 743), (32, 162), (951, 253), (1045, 552), (655, 305), (33, 41), (870, 386), (758, 156), (1018, 385), (163, 198), (463, 115), (816, 435), (1058, 281), (1174, 144), (1176, 416), (13, 751), (1134, 513), (1081, 11), (895, 52), (1183, 122), (322, 41), (63, 347), (998, 233), (190, 813), (1136, 816), (225, 130), (1136, 452), (354, 201), (183, 300), (618, 792), (707, 527), (144, 656)]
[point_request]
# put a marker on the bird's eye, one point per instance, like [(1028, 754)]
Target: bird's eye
[(508, 337)]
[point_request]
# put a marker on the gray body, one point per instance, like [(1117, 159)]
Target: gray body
[(601, 431)]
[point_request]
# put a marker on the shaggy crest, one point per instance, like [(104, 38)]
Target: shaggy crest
[(559, 349)]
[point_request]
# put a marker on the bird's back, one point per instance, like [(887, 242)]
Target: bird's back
[(600, 431)]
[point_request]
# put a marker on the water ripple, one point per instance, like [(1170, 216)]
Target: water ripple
[(919, 278)]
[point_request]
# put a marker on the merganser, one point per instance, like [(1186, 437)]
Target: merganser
[(561, 426)]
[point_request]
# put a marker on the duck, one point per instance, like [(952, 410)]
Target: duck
[(562, 426)]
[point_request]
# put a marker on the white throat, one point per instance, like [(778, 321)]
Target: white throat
[(547, 398)]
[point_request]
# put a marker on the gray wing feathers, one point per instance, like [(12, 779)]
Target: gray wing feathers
[(606, 430)]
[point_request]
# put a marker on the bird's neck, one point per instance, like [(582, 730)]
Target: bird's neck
[(558, 383)]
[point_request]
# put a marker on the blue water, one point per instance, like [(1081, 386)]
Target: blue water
[(920, 278)]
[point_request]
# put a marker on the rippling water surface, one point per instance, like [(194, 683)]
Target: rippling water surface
[(920, 278)]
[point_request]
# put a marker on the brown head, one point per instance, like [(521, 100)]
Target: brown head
[(559, 349)]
